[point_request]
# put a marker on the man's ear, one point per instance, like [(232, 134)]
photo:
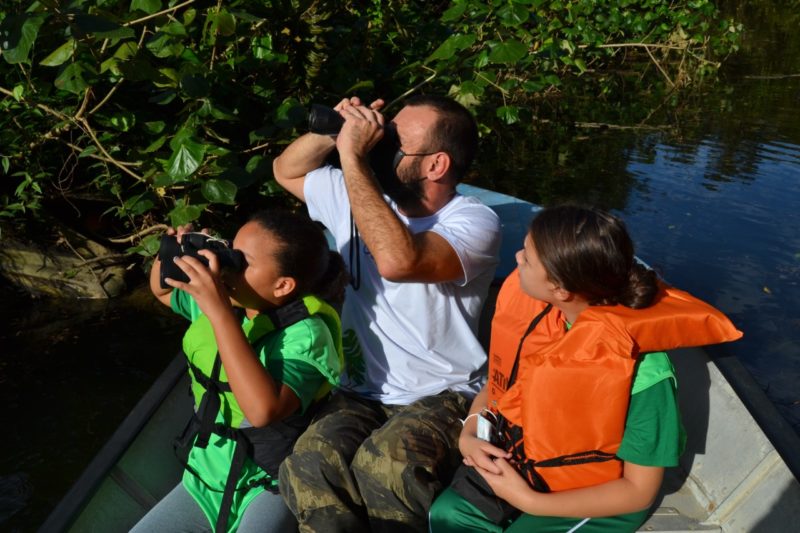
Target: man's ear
[(284, 286), (439, 166)]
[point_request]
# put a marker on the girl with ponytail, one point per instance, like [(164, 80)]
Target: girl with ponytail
[(579, 416)]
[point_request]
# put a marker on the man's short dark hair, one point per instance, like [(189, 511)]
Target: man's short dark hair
[(455, 132)]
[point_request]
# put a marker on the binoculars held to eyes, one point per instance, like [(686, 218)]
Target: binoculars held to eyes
[(191, 243), (324, 120)]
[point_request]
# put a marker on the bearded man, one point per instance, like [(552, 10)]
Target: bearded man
[(421, 257)]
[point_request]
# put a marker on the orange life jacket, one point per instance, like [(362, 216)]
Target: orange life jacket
[(566, 410)]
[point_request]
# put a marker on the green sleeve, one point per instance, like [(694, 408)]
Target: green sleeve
[(291, 355), (654, 435), (301, 377), (183, 304)]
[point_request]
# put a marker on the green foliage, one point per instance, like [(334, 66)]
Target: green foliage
[(524, 49), (167, 110)]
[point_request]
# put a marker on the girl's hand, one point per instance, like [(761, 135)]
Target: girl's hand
[(204, 285), (479, 453), (186, 228), (506, 482)]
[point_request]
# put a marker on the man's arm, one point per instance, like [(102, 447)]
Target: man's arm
[(308, 153), (305, 154), (399, 254)]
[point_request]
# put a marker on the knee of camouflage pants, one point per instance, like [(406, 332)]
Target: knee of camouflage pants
[(315, 480), (402, 466)]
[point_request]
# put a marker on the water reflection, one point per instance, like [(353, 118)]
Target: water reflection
[(712, 199), (726, 228)]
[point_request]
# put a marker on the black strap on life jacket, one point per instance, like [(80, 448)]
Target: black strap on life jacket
[(203, 423), (514, 439), (501, 420)]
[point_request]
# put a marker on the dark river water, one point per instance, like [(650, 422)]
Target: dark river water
[(710, 192)]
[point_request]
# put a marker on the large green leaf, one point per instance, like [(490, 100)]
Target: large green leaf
[(125, 52), (60, 54), (71, 78), (148, 6), (513, 15), (141, 203), (508, 52), (183, 214), (508, 114), (163, 45), (155, 145), (454, 13), (139, 69), (186, 158), (454, 43), (101, 28), (17, 35), (219, 191), (224, 23), (289, 114), (154, 127)]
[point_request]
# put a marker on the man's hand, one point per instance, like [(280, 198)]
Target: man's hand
[(308, 153), (362, 129), (376, 105)]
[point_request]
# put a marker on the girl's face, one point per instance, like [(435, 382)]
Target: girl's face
[(533, 278), (260, 284)]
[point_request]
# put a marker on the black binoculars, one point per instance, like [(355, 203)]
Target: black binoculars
[(327, 121), (191, 244)]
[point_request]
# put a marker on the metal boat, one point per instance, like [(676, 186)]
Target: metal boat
[(737, 475)]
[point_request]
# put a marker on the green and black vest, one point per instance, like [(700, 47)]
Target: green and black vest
[(266, 446)]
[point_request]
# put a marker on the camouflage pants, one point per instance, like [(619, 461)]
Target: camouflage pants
[(365, 466)]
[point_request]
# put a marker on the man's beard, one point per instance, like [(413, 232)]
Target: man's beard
[(406, 190)]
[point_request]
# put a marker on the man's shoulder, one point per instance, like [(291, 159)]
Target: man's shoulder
[(469, 206), (326, 172)]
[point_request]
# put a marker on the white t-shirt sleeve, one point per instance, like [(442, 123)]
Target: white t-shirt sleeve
[(473, 231), (326, 196)]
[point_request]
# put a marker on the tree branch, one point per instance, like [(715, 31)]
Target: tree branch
[(154, 15), (84, 124), (99, 157), (142, 233), (659, 67), (413, 89)]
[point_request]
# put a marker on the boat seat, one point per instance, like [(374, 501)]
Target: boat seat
[(669, 520)]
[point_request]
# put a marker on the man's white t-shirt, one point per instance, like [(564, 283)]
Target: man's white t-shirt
[(406, 341)]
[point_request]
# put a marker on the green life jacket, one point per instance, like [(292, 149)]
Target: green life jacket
[(266, 446)]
